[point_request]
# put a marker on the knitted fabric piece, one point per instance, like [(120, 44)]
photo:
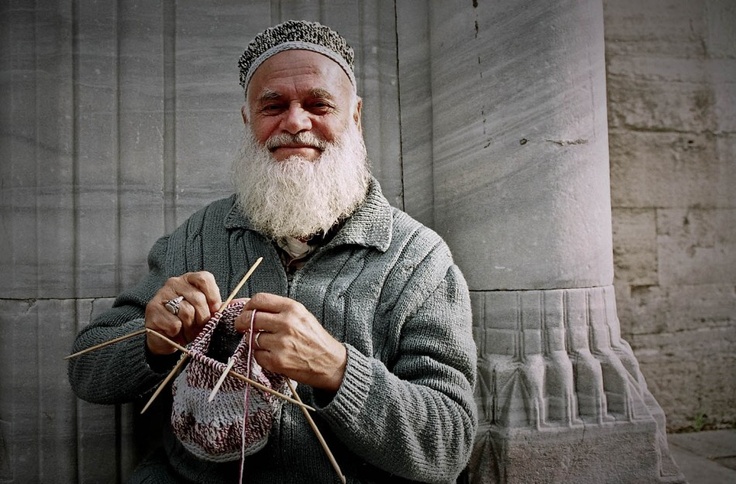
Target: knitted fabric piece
[(212, 430), (296, 34)]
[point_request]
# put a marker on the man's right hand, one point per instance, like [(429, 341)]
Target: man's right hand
[(201, 301)]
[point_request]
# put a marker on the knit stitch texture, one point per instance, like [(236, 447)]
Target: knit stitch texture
[(385, 286), (221, 430), (296, 34)]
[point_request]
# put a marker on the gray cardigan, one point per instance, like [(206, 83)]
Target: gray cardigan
[(386, 286)]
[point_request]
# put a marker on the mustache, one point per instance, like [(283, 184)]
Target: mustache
[(303, 138)]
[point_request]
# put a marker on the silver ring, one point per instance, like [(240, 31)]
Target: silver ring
[(172, 305), (258, 345)]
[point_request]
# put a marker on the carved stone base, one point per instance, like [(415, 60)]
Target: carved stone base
[(620, 452), (561, 395)]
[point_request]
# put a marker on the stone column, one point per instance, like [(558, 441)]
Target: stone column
[(521, 178)]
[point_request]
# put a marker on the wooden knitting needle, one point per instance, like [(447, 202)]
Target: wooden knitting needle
[(231, 360), (317, 433), (106, 343), (168, 378), (237, 375), (230, 363), (240, 284), (141, 331)]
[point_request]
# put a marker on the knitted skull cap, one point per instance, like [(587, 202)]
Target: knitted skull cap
[(296, 35)]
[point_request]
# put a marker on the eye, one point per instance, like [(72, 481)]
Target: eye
[(271, 108), (320, 106)]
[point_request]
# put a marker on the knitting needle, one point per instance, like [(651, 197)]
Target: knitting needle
[(240, 284), (231, 360), (185, 352), (317, 433), (141, 331), (171, 374), (237, 375), (230, 363), (106, 343)]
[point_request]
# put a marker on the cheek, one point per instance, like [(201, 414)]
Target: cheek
[(263, 129), (333, 130)]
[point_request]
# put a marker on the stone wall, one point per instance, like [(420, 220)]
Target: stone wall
[(119, 118), (671, 74)]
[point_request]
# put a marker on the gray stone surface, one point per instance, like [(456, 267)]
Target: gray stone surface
[(118, 119), (706, 457), (671, 94), (520, 142), (560, 388)]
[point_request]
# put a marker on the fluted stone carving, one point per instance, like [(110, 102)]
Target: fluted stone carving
[(561, 394), (554, 374)]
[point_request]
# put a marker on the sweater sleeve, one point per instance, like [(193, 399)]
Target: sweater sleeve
[(417, 419), (120, 372)]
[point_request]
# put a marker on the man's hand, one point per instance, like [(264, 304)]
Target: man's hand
[(201, 301), (293, 343)]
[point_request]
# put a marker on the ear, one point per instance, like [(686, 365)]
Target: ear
[(244, 113), (356, 114)]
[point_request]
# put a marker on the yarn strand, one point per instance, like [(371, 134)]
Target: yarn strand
[(246, 397)]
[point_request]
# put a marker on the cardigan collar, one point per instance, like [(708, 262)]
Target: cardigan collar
[(371, 225)]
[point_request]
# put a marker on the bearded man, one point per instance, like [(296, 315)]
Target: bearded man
[(355, 301)]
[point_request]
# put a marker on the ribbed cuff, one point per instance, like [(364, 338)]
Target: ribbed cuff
[(353, 393)]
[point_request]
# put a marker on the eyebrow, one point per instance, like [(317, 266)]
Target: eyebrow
[(317, 92), (268, 95)]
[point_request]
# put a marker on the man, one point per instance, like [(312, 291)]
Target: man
[(354, 300)]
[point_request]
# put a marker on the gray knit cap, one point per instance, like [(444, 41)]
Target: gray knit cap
[(295, 34)]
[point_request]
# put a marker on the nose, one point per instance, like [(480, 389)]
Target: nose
[(296, 119)]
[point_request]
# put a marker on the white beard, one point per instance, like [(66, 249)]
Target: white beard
[(297, 197)]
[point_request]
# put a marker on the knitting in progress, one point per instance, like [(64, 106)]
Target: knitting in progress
[(237, 421), (214, 415)]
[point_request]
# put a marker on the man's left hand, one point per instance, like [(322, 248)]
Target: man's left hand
[(293, 343)]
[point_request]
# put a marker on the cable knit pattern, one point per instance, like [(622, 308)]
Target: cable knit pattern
[(385, 286)]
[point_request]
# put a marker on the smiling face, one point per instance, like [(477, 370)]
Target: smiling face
[(296, 101)]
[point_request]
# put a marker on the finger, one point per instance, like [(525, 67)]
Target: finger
[(271, 303), (263, 322), (197, 289), (198, 308), (243, 321), (190, 326), (205, 282), (169, 328), (159, 318)]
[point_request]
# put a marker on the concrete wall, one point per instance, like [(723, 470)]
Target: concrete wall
[(672, 133)]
